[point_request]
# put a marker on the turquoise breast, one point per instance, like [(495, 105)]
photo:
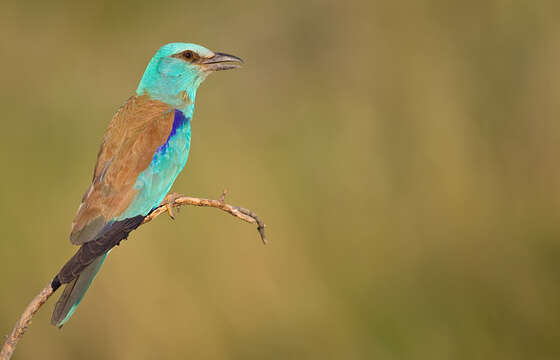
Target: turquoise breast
[(168, 161)]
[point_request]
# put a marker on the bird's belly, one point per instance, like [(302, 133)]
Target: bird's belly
[(154, 182)]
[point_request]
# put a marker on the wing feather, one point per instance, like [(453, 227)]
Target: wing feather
[(138, 128)]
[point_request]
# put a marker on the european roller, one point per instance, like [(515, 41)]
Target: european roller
[(144, 149)]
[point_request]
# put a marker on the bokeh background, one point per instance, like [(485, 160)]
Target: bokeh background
[(403, 154)]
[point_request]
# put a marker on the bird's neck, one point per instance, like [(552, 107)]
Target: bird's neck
[(183, 100), (177, 91)]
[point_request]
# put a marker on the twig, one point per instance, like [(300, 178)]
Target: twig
[(170, 202), (24, 321), (175, 200)]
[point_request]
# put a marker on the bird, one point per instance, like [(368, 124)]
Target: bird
[(144, 148)]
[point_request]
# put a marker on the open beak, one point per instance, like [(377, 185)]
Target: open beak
[(221, 61)]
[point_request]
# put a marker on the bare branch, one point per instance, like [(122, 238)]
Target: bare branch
[(24, 321), (170, 202), (175, 200)]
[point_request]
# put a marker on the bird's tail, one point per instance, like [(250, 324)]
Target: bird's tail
[(80, 270), (75, 291)]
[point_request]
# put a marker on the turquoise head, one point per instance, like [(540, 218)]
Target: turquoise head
[(177, 69)]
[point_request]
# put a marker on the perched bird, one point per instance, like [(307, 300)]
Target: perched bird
[(144, 149)]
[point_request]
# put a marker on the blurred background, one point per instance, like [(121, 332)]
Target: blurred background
[(403, 154)]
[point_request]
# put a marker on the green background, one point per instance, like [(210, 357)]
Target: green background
[(403, 154)]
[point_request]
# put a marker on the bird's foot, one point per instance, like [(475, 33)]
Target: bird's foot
[(170, 198), (170, 211), (168, 202)]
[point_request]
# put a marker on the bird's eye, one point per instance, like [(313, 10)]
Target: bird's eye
[(188, 54)]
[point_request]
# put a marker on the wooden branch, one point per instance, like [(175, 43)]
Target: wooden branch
[(175, 200), (168, 204), (24, 321)]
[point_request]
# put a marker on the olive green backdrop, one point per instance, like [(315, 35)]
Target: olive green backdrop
[(404, 155)]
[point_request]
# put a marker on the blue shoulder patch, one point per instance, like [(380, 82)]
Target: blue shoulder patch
[(178, 121), (167, 162)]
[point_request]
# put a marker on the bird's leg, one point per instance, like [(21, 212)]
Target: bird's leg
[(170, 198), (170, 211), (168, 203)]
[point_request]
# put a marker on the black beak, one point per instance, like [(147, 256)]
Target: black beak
[(221, 61)]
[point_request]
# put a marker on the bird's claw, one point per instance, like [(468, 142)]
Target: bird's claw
[(170, 212)]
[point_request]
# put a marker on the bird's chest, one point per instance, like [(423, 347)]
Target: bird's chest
[(169, 159), (174, 152)]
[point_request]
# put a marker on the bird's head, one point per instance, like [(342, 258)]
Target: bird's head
[(179, 68)]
